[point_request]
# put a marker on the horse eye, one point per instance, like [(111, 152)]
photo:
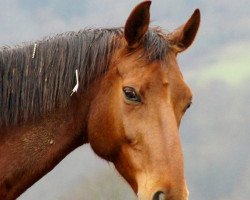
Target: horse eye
[(131, 95), (188, 106)]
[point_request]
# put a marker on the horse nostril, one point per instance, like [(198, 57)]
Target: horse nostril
[(159, 196)]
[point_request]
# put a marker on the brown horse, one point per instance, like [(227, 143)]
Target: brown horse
[(129, 104)]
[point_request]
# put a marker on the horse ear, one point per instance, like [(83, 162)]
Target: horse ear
[(137, 23), (183, 37)]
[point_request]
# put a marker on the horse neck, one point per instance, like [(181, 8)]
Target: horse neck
[(30, 151)]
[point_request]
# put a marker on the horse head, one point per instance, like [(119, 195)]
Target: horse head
[(135, 115)]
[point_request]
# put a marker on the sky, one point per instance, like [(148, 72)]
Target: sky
[(216, 66)]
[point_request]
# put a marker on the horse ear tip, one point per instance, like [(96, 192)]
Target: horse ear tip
[(197, 12), (146, 3), (196, 16)]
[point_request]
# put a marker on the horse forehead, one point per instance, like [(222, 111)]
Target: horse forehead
[(169, 75), (163, 72), (145, 73), (159, 78), (158, 71)]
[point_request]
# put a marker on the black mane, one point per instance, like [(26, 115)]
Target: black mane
[(35, 82)]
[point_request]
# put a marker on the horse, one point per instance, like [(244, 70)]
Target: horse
[(128, 100)]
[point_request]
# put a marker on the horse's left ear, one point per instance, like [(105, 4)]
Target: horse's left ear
[(183, 37), (137, 23)]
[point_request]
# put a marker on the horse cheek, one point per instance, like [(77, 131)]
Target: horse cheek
[(102, 131)]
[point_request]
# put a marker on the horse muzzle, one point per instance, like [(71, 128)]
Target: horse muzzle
[(159, 196), (163, 196)]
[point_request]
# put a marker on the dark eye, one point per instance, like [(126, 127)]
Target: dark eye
[(131, 95), (188, 106)]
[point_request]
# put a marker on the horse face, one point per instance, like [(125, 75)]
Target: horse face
[(135, 116), (153, 99)]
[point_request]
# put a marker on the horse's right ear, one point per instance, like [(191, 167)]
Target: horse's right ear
[(137, 23)]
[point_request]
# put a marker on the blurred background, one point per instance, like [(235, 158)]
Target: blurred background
[(215, 131)]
